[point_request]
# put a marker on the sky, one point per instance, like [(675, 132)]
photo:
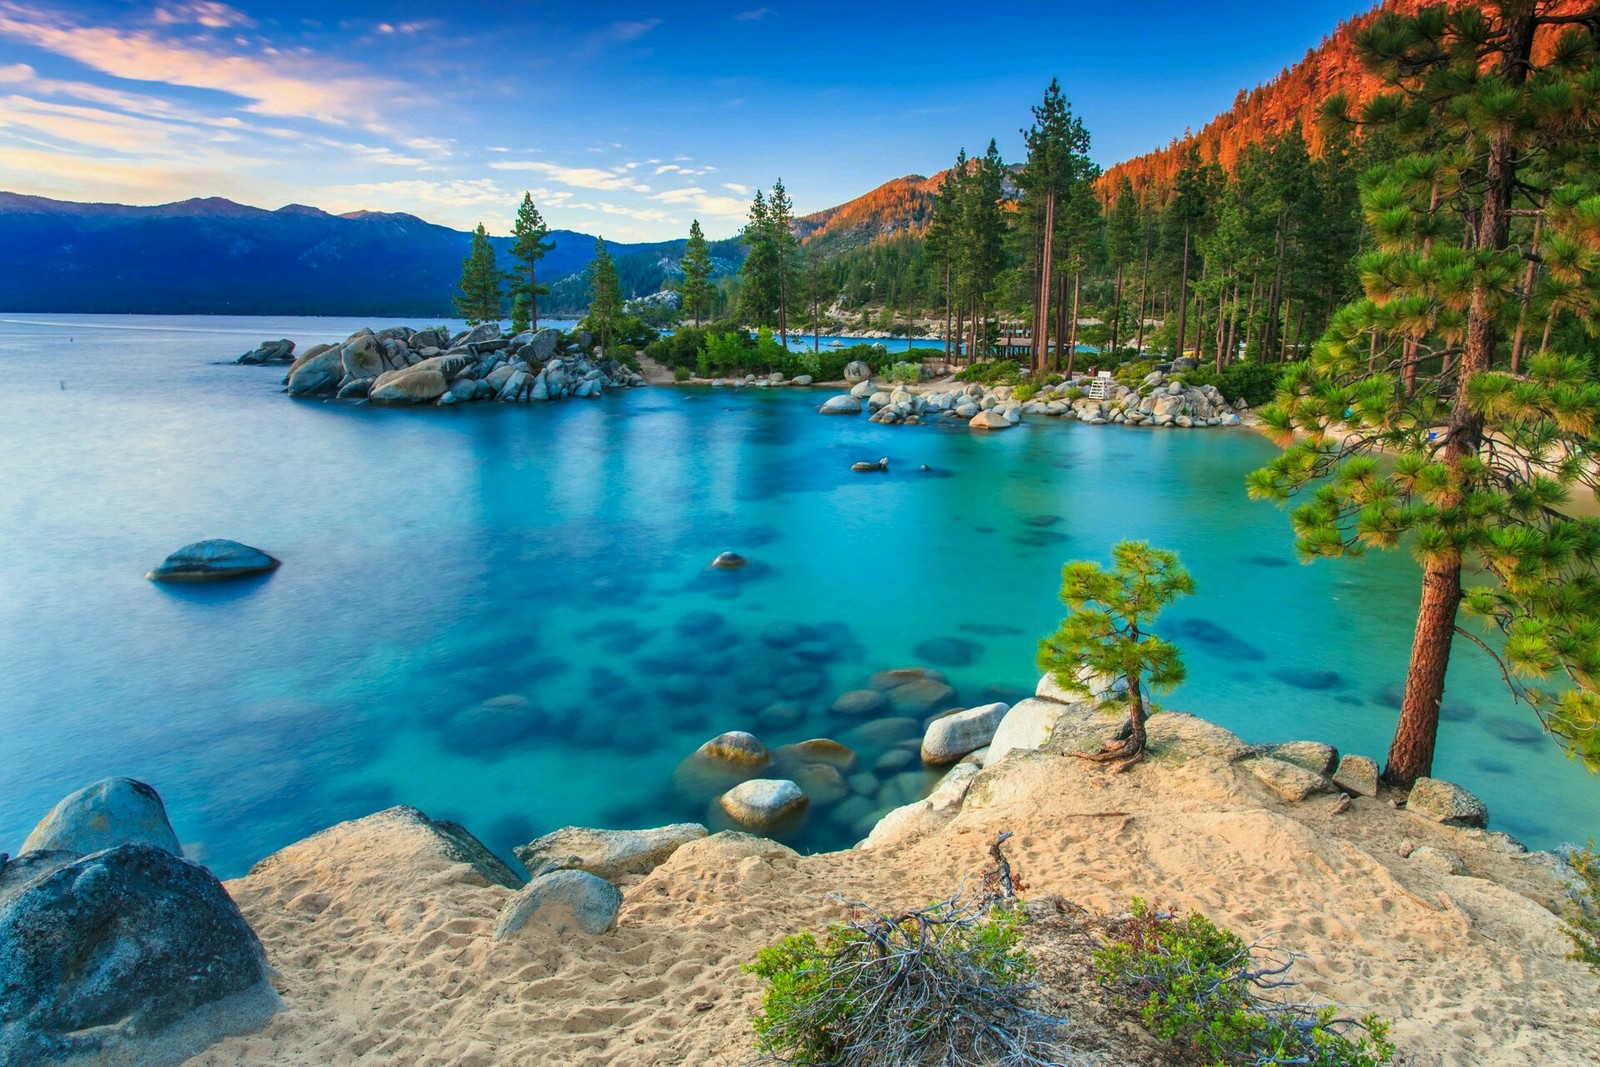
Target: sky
[(622, 119)]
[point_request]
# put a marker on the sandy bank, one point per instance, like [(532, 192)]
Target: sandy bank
[(386, 955)]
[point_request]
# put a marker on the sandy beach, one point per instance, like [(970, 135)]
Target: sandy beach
[(385, 952)]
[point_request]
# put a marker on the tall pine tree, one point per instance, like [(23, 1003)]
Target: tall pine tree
[(605, 297), (528, 248), (696, 267), (478, 292)]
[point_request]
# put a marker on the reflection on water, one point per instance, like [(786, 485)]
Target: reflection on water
[(503, 614)]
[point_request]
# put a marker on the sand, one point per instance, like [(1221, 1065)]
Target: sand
[(385, 954)]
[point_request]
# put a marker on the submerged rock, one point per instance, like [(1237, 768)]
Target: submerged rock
[(128, 955), (735, 746), (863, 466), (763, 802), (608, 854), (563, 901), (112, 812), (212, 560), (729, 561)]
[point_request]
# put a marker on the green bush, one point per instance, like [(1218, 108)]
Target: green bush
[(1583, 909), (945, 984), (1001, 372), (903, 373), (1198, 982), (1132, 374), (1255, 383), (681, 374), (1026, 391)]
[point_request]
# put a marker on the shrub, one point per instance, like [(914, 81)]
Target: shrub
[(681, 374), (1132, 374), (1199, 986), (1001, 372), (903, 373), (942, 985), (1026, 391), (1255, 383), (1583, 909)]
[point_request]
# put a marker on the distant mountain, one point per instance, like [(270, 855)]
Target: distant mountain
[(898, 208), (641, 270), (209, 256)]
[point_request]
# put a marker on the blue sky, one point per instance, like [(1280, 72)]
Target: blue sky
[(623, 119)]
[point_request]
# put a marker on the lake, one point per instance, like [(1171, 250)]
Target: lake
[(502, 614)]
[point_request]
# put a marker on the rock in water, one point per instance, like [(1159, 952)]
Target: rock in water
[(564, 901), (729, 561), (949, 738), (130, 955), (762, 802), (608, 854), (864, 466), (212, 560), (280, 351), (112, 812), (841, 405)]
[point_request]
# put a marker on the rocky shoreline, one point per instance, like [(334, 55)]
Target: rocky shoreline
[(1291, 839), (399, 365)]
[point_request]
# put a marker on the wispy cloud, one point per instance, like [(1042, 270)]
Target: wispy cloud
[(755, 15), (577, 177), (272, 83), (704, 203), (626, 32), (202, 13), (742, 190)]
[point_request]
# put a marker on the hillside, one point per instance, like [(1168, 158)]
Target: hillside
[(208, 256), (898, 208), (1296, 94)]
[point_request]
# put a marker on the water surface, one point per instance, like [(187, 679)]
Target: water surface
[(502, 615)]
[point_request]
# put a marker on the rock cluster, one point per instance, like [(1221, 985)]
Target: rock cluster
[(400, 365), (280, 351), (1158, 401), (115, 949)]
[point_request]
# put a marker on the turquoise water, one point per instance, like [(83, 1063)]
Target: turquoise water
[(555, 556)]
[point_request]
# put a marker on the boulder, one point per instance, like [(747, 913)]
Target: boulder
[(763, 802), (842, 404), (112, 812), (542, 346), (363, 357), (1314, 756), (564, 902), (856, 371), (859, 704), (608, 854), (950, 737), (803, 379), (213, 560), (1029, 724), (921, 696), (989, 420), (729, 561), (821, 782), (863, 466), (281, 351), (399, 838), (735, 746), (127, 955), (819, 750), (928, 814), (1447, 803), (420, 384), (1357, 774), (317, 375), (1289, 781)]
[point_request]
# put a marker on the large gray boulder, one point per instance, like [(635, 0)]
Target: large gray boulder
[(401, 837), (763, 802), (1446, 802), (950, 737), (213, 560), (542, 346), (841, 405), (423, 383), (856, 371), (280, 351), (564, 902), (318, 375), (362, 357), (126, 956), (112, 812), (608, 854)]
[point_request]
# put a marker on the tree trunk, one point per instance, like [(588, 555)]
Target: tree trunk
[(1527, 289), (1061, 319), (1144, 284), (533, 299), (1136, 716), (1116, 310), (1411, 753), (1041, 311), (1072, 329), (1183, 295), (947, 310)]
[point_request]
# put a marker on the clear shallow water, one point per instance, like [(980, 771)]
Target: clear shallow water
[(555, 554)]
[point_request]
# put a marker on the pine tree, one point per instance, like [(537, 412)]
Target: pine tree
[(1122, 245), (478, 297), (1054, 180), (528, 249), (1107, 633), (785, 255), (696, 267), (941, 243), (605, 297), (1483, 461), (758, 296)]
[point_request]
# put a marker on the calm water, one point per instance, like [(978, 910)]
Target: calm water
[(551, 560)]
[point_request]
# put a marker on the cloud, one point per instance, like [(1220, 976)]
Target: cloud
[(742, 190), (756, 15), (577, 177), (407, 29), (628, 31), (704, 203), (205, 13), (284, 85)]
